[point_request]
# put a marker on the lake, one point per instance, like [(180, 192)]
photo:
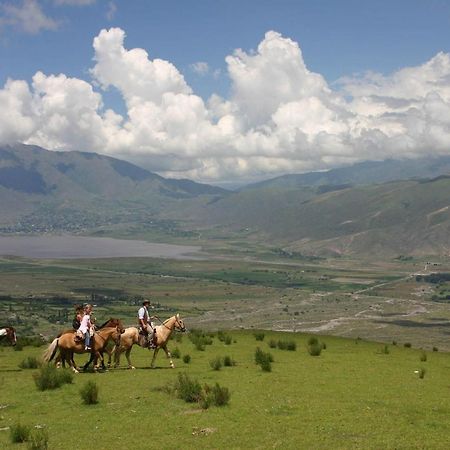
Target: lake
[(72, 247)]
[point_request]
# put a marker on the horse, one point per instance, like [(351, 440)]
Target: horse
[(131, 336), (10, 334), (65, 342)]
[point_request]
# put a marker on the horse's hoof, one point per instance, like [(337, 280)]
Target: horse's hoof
[(131, 367), (75, 371)]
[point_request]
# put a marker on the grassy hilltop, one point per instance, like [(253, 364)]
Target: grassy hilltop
[(356, 394)]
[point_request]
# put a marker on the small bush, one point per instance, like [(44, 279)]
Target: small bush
[(30, 363), (187, 389), (259, 336), (407, 344), (176, 353), (264, 360), (220, 395), (38, 440), (423, 356), (51, 378), (422, 373), (272, 343), (216, 363), (385, 350), (19, 346), (187, 359), (394, 342), (313, 340), (315, 349), (89, 393), (19, 433), (324, 346), (228, 340), (435, 349), (199, 346), (228, 361), (282, 345)]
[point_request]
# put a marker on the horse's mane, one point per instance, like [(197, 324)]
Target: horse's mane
[(104, 324)]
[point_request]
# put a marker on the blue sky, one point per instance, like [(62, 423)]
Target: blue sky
[(338, 39)]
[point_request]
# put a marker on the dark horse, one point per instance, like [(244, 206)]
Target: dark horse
[(10, 334)]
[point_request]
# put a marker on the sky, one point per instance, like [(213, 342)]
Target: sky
[(228, 91)]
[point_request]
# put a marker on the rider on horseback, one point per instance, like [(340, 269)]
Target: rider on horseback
[(86, 327), (146, 327)]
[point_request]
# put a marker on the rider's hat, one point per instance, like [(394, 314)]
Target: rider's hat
[(146, 302)]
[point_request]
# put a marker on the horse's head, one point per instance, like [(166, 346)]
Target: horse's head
[(179, 323)]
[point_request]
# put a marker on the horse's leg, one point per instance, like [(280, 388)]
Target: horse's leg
[(58, 361), (91, 359), (69, 357), (152, 365), (127, 354), (168, 354), (110, 352), (117, 353)]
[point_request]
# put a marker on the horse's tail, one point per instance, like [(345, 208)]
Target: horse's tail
[(50, 353)]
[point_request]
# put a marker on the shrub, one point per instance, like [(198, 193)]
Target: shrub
[(385, 350), (435, 349), (324, 346), (228, 361), (30, 363), (176, 353), (422, 373), (187, 389), (187, 359), (259, 336), (407, 344), (216, 363), (216, 395), (228, 340), (291, 346), (315, 349), (200, 339), (423, 356), (19, 433), (272, 344), (19, 346), (394, 342), (89, 393), (51, 378), (282, 345), (313, 340), (38, 440), (264, 360)]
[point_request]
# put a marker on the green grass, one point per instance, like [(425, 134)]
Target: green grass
[(352, 396)]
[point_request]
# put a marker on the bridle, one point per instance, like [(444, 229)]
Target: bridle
[(177, 326)]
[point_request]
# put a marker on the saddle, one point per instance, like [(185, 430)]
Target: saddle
[(78, 337)]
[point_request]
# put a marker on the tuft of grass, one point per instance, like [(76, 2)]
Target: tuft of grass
[(176, 353), (228, 361), (315, 349), (89, 393), (422, 372), (216, 363), (30, 363), (51, 378), (216, 395), (385, 350), (228, 340), (187, 359), (38, 440), (272, 343), (407, 344), (312, 340), (435, 349), (19, 433), (259, 336), (188, 389), (423, 356), (264, 360)]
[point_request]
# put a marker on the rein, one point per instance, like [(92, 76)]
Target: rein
[(172, 329)]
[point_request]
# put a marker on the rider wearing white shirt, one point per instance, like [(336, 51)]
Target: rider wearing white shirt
[(146, 325)]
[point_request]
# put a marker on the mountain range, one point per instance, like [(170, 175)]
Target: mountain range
[(373, 209)]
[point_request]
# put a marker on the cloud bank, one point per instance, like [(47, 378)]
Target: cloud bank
[(280, 116)]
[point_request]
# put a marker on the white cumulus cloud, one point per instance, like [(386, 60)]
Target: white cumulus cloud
[(280, 117)]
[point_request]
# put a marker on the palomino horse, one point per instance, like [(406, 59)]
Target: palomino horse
[(131, 336), (10, 334), (67, 345)]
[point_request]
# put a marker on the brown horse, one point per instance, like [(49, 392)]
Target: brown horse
[(10, 334), (131, 336), (67, 346)]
